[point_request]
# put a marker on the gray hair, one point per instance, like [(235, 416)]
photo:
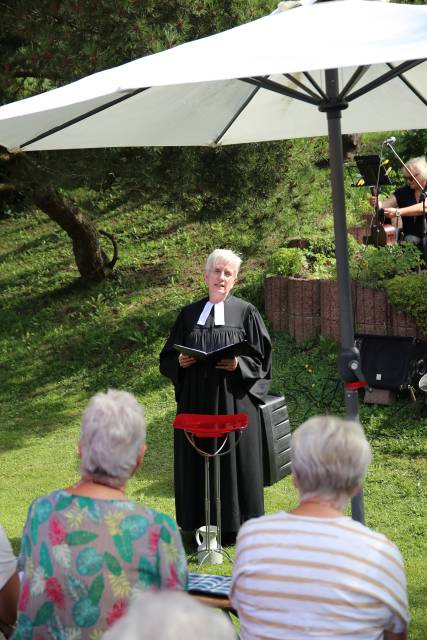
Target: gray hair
[(167, 615), (417, 165), (112, 434), (223, 256), (330, 457)]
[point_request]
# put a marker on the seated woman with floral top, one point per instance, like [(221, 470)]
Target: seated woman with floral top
[(86, 549)]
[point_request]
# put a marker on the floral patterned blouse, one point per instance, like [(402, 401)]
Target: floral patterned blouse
[(83, 558)]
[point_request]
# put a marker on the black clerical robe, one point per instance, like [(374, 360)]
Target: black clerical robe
[(202, 388)]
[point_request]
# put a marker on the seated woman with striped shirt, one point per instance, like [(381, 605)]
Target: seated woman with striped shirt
[(314, 572)]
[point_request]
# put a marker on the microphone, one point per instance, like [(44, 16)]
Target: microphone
[(390, 140)]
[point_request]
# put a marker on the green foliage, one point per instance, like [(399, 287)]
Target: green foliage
[(412, 143), (251, 287), (315, 260), (56, 42), (324, 245), (409, 293), (376, 265), (62, 40), (320, 255), (213, 181), (288, 262)]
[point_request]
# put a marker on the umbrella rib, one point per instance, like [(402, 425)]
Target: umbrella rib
[(315, 84), (360, 71), (409, 85), (393, 73), (301, 85), (236, 115), (81, 117), (265, 83)]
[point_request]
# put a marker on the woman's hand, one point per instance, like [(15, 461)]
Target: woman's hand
[(186, 361), (228, 364), (395, 216), (391, 211)]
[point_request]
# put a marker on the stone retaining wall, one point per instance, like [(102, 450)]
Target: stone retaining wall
[(306, 308)]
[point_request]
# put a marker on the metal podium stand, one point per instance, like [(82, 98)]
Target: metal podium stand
[(215, 427)]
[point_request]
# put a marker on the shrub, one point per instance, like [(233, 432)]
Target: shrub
[(314, 258), (321, 245), (373, 265), (409, 293), (288, 261)]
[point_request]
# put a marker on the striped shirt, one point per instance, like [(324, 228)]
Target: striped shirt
[(298, 577)]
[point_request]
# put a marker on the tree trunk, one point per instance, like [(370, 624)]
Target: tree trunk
[(91, 260)]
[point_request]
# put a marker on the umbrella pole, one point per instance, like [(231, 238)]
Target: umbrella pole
[(348, 353)]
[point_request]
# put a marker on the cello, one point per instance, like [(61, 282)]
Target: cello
[(381, 233)]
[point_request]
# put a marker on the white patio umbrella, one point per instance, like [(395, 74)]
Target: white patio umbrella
[(244, 85), (329, 68)]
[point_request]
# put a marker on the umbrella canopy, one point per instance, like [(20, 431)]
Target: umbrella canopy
[(260, 81), (360, 62)]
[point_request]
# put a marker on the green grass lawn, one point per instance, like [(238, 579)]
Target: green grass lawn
[(61, 342)]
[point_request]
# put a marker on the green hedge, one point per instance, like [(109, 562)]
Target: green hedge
[(409, 293)]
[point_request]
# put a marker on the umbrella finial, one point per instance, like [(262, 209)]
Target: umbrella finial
[(285, 5), (288, 4)]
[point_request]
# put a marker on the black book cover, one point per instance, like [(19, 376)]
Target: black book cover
[(229, 351)]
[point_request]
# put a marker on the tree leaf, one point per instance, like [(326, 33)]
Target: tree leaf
[(165, 535), (80, 537), (135, 526), (63, 502), (124, 546), (42, 510), (112, 563), (43, 614), (147, 574), (34, 530), (96, 589), (45, 560), (89, 561), (85, 613)]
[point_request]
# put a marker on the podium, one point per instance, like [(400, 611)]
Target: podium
[(216, 427)]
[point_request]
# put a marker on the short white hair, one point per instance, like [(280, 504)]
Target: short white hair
[(417, 165), (330, 457), (223, 256), (112, 434), (167, 615)]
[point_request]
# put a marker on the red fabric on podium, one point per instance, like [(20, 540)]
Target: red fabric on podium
[(210, 426)]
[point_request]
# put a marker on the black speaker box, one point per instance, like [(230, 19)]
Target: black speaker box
[(392, 362), (276, 439)]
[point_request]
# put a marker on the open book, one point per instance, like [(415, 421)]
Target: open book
[(229, 351)]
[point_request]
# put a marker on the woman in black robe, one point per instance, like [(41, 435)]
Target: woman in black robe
[(232, 385)]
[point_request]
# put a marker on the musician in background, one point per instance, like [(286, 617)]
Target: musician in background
[(404, 207)]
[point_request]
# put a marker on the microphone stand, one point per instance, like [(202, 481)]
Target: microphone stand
[(375, 223), (422, 199)]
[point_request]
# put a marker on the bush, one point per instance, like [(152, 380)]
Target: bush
[(314, 258), (321, 245), (320, 255), (409, 293), (373, 265), (288, 261)]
